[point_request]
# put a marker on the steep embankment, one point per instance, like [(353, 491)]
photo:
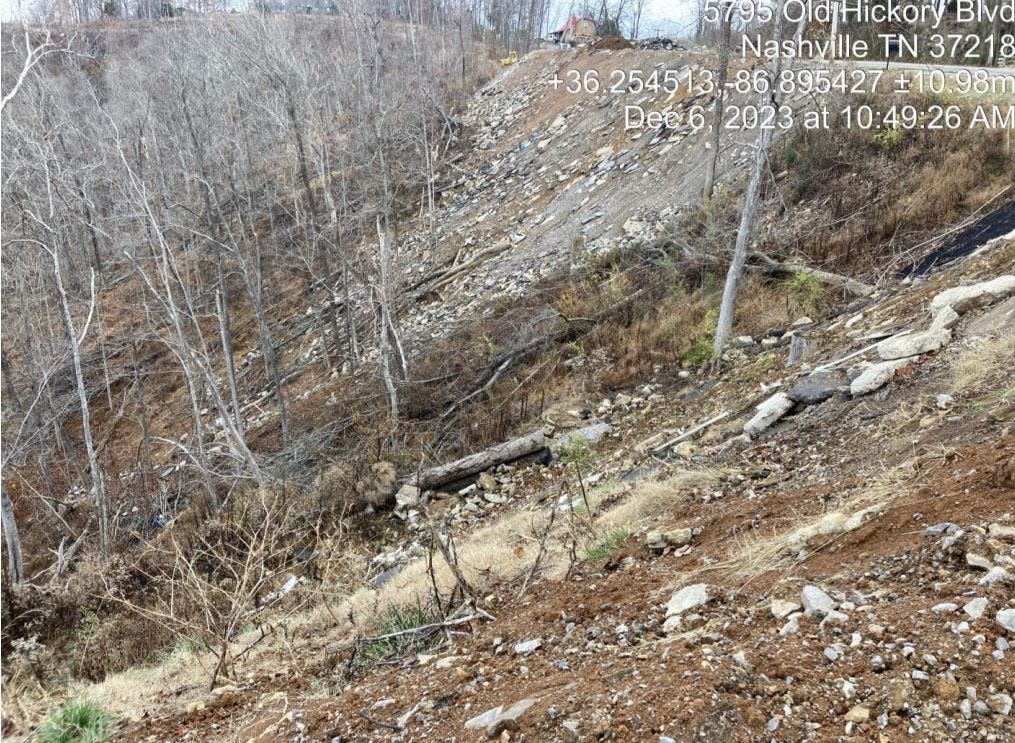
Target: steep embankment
[(841, 573), (846, 574)]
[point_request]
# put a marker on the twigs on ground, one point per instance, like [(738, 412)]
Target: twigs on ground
[(422, 629), (542, 549)]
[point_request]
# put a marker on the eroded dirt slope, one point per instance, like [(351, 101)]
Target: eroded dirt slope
[(845, 575)]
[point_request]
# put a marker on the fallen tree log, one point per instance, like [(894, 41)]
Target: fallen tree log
[(567, 329), (473, 464), (773, 267), (758, 262)]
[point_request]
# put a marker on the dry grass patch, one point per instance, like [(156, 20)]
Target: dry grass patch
[(651, 500), (981, 360), (504, 551), (499, 554), (753, 555)]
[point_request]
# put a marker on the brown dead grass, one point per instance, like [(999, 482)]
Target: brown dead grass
[(753, 555), (981, 360), (870, 195)]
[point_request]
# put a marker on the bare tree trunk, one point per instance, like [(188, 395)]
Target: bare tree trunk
[(725, 28), (350, 319), (800, 28), (384, 339), (835, 24), (227, 351), (216, 224), (724, 327), (270, 360), (10, 527), (98, 484)]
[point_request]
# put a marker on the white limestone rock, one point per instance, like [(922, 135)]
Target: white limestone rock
[(964, 298), (768, 413), (914, 344), (688, 598), (816, 602), (876, 376)]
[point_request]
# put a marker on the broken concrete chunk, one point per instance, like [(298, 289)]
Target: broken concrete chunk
[(858, 714), (877, 376), (688, 598), (944, 319), (974, 608), (964, 298), (782, 609), (407, 496), (997, 574), (508, 720), (975, 560), (591, 435), (479, 722), (816, 388), (816, 602), (658, 540), (791, 627), (528, 646), (1001, 531), (914, 344), (768, 413), (497, 720), (1006, 618)]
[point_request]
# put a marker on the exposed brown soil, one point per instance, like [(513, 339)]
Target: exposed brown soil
[(607, 666)]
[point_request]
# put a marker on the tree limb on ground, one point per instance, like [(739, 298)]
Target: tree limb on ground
[(777, 268), (507, 451), (355, 642)]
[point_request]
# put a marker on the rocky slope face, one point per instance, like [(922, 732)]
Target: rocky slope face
[(815, 542), (835, 565)]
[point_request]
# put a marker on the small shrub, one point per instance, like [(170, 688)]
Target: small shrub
[(76, 721), (575, 451), (117, 642), (711, 286), (888, 139), (804, 292), (608, 547), (700, 352)]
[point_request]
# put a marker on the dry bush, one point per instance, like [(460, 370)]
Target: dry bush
[(377, 486), (884, 191), (223, 576), (118, 643), (49, 616), (344, 490)]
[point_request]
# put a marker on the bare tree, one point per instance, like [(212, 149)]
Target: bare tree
[(749, 214), (75, 339), (33, 55), (15, 563), (198, 190), (385, 329), (725, 29)]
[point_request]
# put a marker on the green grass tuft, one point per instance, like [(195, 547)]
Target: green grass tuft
[(804, 292), (701, 352), (608, 547), (400, 619), (77, 721)]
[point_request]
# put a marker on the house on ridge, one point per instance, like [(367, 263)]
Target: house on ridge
[(574, 30)]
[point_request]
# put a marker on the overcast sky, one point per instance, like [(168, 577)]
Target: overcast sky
[(660, 17)]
